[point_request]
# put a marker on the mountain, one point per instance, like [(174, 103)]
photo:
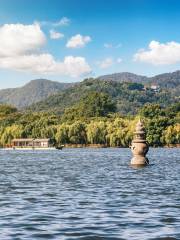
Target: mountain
[(34, 91), (128, 95), (124, 77), (163, 80), (166, 80), (128, 90)]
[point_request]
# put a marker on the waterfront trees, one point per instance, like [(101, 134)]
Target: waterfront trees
[(171, 135), (9, 133), (61, 136), (96, 132), (77, 133), (162, 125)]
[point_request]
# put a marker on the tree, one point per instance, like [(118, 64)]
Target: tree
[(94, 104), (119, 132), (151, 111), (155, 128), (172, 134), (77, 133), (96, 132), (7, 109), (11, 132), (62, 134), (135, 86)]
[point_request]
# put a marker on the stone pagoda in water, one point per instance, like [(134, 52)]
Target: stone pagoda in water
[(139, 146)]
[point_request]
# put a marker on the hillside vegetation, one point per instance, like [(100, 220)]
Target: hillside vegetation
[(122, 87), (128, 96), (163, 80), (34, 91)]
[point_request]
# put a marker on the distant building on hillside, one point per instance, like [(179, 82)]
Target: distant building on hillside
[(155, 88)]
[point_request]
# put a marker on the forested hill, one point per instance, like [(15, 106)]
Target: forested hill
[(166, 80), (34, 91), (128, 90), (129, 97), (163, 80), (124, 77)]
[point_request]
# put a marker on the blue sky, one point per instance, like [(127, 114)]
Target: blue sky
[(68, 40)]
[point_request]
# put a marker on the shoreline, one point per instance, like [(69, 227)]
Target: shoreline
[(87, 146), (106, 146)]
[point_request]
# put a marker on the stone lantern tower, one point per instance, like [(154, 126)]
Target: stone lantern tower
[(139, 146)]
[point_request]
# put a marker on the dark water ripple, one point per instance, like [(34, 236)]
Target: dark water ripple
[(89, 194)]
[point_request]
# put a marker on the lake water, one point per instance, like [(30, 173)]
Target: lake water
[(89, 194)]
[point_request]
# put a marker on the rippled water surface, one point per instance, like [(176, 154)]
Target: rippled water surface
[(89, 194)]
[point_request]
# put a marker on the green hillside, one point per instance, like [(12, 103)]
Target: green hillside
[(128, 96), (128, 90), (34, 91)]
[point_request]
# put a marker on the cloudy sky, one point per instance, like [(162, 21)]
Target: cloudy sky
[(69, 40)]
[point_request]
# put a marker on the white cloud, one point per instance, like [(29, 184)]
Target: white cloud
[(105, 63), (18, 39), (119, 60), (36, 63), (76, 66), (108, 62), (62, 22), (19, 50), (46, 64), (55, 35), (110, 45), (78, 41), (159, 53)]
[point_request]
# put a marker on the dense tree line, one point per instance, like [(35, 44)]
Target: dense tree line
[(93, 120)]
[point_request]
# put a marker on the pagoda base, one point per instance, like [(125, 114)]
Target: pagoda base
[(139, 160)]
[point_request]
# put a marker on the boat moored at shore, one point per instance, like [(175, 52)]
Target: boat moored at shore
[(33, 144)]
